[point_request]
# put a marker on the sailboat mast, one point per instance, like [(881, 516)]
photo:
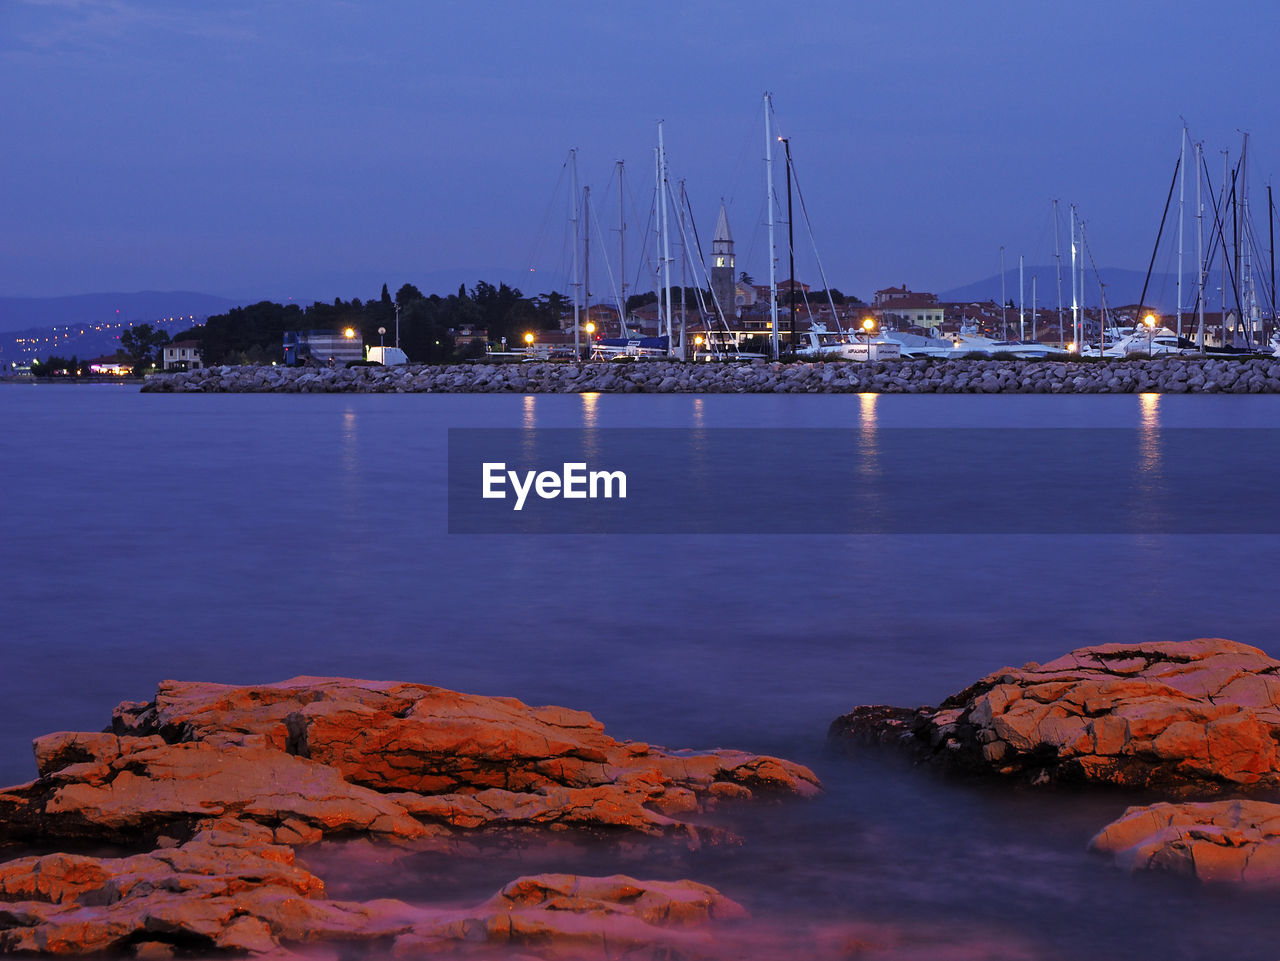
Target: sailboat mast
[(1182, 193), (586, 256), (1245, 279), (1075, 304), (1057, 257), (666, 237), (1022, 302), (773, 250), (684, 262), (1222, 281), (622, 259), (1004, 300), (1033, 306), (791, 249), (1199, 251), (1271, 248), (577, 287)]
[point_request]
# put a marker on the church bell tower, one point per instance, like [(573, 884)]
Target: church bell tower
[(723, 277)]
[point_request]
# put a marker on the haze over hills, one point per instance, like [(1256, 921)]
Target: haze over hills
[(1122, 287), (147, 306)]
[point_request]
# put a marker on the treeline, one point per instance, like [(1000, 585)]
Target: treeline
[(255, 334)]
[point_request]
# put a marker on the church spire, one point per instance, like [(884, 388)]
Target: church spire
[(722, 226)]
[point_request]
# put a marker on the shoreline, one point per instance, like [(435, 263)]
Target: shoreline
[(1259, 375)]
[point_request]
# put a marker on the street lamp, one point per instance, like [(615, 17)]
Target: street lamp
[(528, 342), (381, 332), (349, 333), (1150, 321), (591, 328)]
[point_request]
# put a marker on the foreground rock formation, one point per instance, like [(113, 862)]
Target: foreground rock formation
[(1200, 715), (218, 785), (1211, 841), (314, 757), (1166, 375), (231, 889)]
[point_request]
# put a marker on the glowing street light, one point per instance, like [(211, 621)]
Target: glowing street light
[(1150, 321), (528, 342), (349, 333), (591, 328)]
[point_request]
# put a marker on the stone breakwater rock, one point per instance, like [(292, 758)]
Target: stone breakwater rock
[(1162, 375), (231, 889), (313, 757), (1211, 841), (1194, 715)]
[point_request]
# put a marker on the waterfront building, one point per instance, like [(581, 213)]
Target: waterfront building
[(184, 354)]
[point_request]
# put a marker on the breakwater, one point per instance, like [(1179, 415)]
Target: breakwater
[(1180, 375)]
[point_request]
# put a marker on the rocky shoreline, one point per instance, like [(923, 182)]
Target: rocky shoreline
[(1192, 719), (962, 376)]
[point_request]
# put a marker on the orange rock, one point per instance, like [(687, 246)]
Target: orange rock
[(1202, 714), (1214, 841)]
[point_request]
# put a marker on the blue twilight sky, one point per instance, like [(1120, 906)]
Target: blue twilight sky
[(315, 148)]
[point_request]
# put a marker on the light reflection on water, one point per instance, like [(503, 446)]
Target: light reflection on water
[(307, 535)]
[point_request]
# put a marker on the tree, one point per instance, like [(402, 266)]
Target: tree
[(143, 345)]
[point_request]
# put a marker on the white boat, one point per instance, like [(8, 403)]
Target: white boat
[(822, 344), (1127, 341)]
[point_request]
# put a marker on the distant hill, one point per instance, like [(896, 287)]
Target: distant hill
[(148, 306), (1122, 287)]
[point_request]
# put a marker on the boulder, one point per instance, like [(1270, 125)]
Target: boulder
[(315, 757), (1236, 840), (1196, 715)]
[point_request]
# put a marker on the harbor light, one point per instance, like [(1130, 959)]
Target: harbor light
[(1149, 320), (591, 328), (1071, 347), (528, 339), (698, 340), (349, 333)]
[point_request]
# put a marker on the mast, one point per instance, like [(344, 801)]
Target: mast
[(773, 250), (1271, 247), (1057, 256), (1004, 299), (1075, 304), (586, 259), (791, 248), (622, 259), (1182, 193), (666, 237), (1245, 279), (684, 263), (577, 287), (1199, 251), (1222, 289), (1033, 306), (1022, 302)]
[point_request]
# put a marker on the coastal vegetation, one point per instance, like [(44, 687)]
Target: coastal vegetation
[(428, 323)]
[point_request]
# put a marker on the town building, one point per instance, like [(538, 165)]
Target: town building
[(900, 307), (183, 354)]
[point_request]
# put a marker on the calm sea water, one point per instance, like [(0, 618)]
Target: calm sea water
[(242, 538)]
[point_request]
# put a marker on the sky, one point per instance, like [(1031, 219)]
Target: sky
[(318, 148)]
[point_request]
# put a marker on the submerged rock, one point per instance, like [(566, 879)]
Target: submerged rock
[(1199, 714), (312, 757), (1211, 841), (230, 889)]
